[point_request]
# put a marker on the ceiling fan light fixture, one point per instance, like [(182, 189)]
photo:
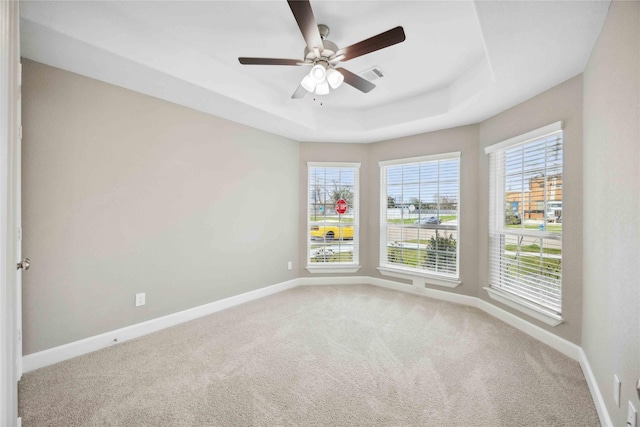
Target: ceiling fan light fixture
[(308, 83), (318, 73), (322, 88), (335, 78)]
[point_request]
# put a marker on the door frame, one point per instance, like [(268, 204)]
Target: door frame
[(9, 168)]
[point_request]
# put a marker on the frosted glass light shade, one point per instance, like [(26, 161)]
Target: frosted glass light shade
[(318, 73), (308, 83), (322, 88), (335, 78)]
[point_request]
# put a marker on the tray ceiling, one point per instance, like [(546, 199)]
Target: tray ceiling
[(461, 63)]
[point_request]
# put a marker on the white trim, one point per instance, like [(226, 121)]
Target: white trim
[(525, 137), (328, 269), (569, 349), (598, 400), (429, 158), (9, 160), (565, 347), (520, 304), (426, 278), (77, 348), (333, 165), (334, 281), (427, 292)]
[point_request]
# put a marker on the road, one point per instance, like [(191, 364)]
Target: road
[(399, 233)]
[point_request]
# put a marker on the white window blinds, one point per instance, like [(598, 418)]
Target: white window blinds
[(333, 211), (419, 212), (525, 231)]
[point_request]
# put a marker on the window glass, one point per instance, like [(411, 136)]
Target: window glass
[(333, 214), (526, 220), (419, 215)]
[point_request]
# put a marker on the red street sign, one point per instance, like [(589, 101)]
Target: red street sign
[(341, 206)]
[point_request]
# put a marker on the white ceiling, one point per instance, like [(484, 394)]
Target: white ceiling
[(461, 63)]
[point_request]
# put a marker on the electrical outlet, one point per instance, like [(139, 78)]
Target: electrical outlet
[(616, 390), (290, 265), (140, 299), (632, 416)]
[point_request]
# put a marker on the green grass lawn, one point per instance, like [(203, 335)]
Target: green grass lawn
[(532, 248), (532, 265), (338, 257), (424, 259), (443, 218), (556, 228)]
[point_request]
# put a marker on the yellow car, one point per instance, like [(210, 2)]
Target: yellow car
[(330, 232)]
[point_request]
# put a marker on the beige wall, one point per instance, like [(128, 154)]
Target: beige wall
[(611, 313), (560, 103), (124, 193)]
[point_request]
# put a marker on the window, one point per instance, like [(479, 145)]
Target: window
[(525, 230), (332, 217), (419, 212)]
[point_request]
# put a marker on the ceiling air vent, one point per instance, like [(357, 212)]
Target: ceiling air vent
[(372, 73)]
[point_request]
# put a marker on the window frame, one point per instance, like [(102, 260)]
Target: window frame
[(419, 277), (498, 231), (337, 267)]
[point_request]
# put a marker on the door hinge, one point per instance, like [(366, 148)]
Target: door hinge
[(19, 234), (20, 74), (20, 132), (19, 335)]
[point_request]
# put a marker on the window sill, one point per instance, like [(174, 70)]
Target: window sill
[(522, 305), (328, 269), (424, 278)]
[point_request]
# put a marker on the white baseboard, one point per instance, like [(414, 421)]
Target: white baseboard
[(598, 400), (77, 348), (565, 347), (88, 345), (331, 281)]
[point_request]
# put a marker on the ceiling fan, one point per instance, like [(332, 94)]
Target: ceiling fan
[(323, 55)]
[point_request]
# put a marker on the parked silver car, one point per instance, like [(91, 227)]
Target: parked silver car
[(428, 220)]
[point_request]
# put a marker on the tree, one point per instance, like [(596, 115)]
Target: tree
[(391, 202), (448, 202), (511, 216), (419, 204), (341, 193), (441, 253)]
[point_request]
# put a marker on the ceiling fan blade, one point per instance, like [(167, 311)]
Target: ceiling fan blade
[(356, 81), (382, 40), (269, 61), (301, 10), (299, 93)]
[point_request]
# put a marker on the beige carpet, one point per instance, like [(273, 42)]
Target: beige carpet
[(319, 355)]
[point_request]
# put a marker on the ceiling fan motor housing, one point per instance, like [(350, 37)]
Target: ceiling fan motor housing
[(324, 31), (330, 47)]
